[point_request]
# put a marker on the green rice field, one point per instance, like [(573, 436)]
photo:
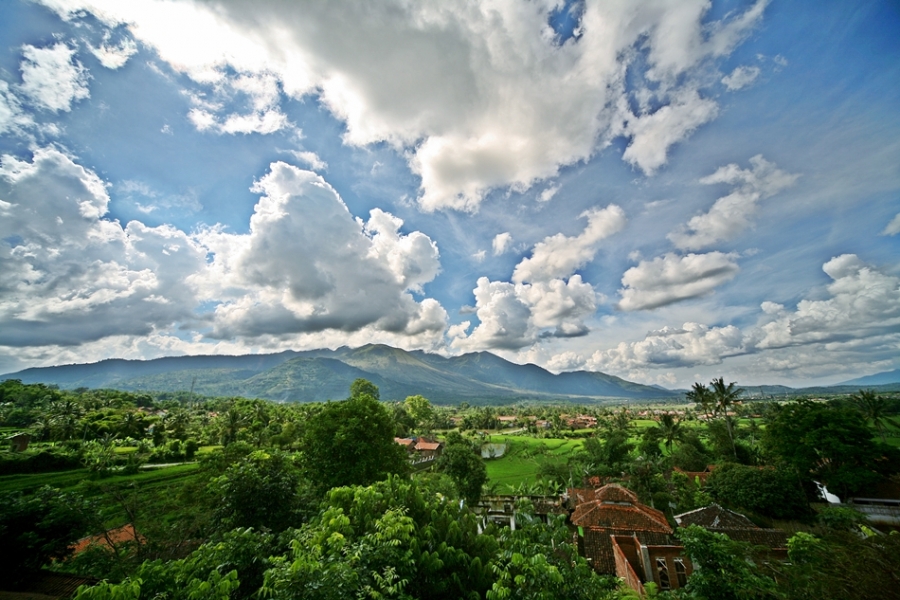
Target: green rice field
[(523, 458)]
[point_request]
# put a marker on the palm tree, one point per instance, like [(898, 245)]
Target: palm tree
[(65, 415), (232, 422), (725, 396), (701, 395), (873, 408), (670, 429)]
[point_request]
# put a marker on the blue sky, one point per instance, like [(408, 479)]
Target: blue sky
[(663, 191)]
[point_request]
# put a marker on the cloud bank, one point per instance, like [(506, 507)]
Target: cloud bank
[(70, 276), (460, 87)]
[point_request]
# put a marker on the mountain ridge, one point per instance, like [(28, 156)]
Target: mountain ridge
[(316, 375)]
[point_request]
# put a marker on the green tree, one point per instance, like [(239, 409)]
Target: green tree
[(259, 491), (767, 491), (232, 422), (670, 430), (874, 409), (724, 397), (364, 387), (840, 565), (421, 411), (463, 463), (827, 443), (388, 540), (351, 442), (723, 569), (701, 395), (537, 561), (39, 528)]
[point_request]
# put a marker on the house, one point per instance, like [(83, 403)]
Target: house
[(700, 476), (19, 442), (408, 443), (738, 527), (426, 449), (620, 536), (507, 420), (109, 539)]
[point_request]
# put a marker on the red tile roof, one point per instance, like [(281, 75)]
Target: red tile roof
[(125, 533), (616, 507), (422, 445)]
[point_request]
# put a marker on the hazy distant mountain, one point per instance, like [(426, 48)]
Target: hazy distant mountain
[(327, 374), (876, 379)]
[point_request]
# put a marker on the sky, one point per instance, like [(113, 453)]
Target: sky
[(663, 190)]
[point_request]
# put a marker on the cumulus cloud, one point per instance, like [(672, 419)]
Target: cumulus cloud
[(460, 87), (732, 214), (864, 303), (672, 278), (308, 266), (51, 78), (858, 324), (502, 242), (892, 228), (515, 315), (545, 298), (308, 272), (547, 194), (560, 255), (690, 345), (69, 275), (740, 78)]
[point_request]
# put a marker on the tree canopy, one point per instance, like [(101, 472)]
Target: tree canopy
[(351, 442)]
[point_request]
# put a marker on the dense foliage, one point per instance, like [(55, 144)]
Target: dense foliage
[(318, 500)]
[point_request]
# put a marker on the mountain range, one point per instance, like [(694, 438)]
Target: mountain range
[(317, 375)]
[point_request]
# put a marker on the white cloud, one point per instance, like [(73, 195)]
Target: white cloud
[(259, 92), (892, 228), (514, 315), (545, 297), (672, 278), (12, 117), (652, 134), (479, 256), (740, 78), (308, 266), (731, 214), (690, 345), (51, 79), (310, 159), (307, 273), (559, 255), (461, 87), (502, 242), (114, 57), (69, 275), (548, 193), (864, 304), (854, 328)]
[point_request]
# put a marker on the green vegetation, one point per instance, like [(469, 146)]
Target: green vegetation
[(319, 501)]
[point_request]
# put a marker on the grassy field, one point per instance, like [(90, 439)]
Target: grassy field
[(72, 479), (523, 458)]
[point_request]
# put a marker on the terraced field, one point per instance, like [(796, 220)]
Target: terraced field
[(523, 458)]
